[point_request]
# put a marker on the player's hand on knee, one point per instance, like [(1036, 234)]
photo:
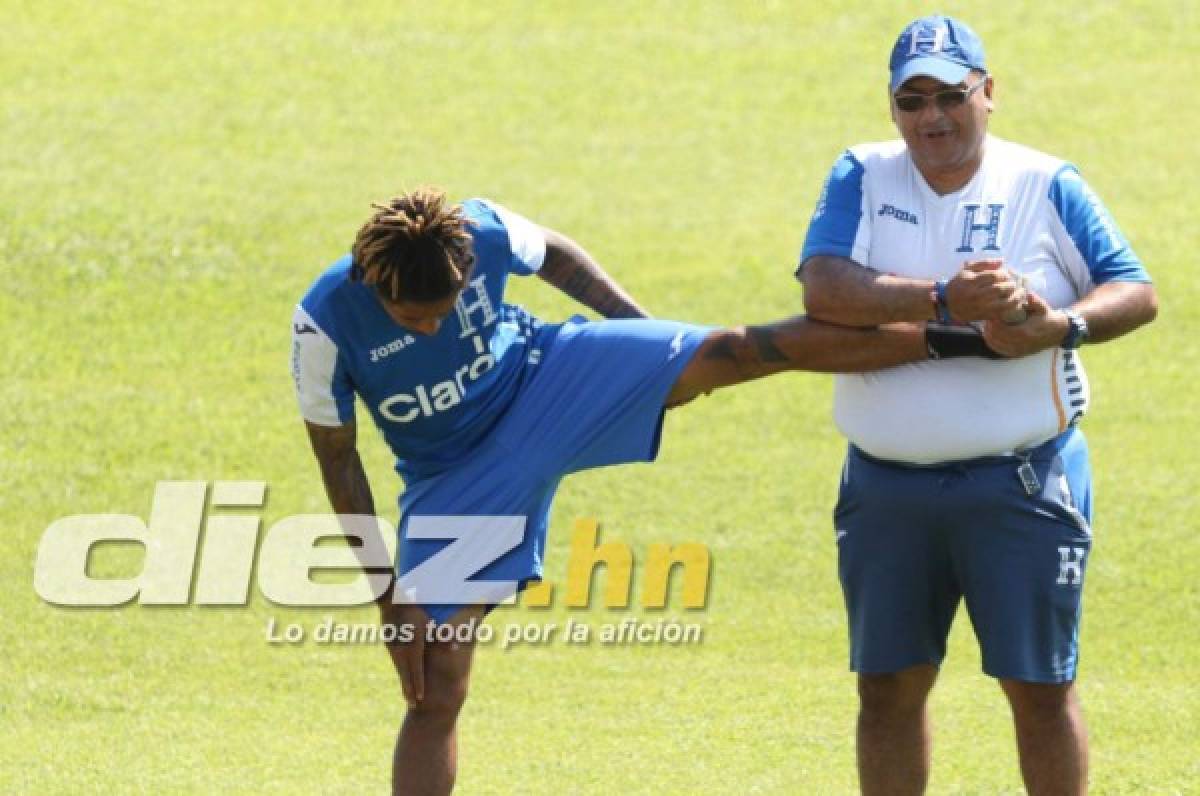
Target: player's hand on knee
[(408, 649)]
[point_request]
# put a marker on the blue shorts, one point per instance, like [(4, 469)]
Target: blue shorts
[(594, 398), (913, 540)]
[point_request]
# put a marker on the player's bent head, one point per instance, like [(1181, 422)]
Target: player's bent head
[(414, 248)]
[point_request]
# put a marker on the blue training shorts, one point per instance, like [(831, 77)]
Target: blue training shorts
[(594, 398), (914, 540)]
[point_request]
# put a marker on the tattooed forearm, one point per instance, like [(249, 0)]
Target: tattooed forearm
[(582, 286), (574, 272), (341, 468), (348, 489)]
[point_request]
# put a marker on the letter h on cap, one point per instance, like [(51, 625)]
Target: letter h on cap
[(935, 37)]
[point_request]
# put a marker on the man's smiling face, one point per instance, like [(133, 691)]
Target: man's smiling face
[(945, 141)]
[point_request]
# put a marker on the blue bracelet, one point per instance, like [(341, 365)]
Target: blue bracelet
[(943, 308)]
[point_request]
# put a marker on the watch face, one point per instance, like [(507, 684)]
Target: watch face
[(1077, 331)]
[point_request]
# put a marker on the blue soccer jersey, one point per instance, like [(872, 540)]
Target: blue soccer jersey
[(489, 414), (434, 397)]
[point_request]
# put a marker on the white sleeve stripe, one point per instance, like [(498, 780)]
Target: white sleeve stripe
[(314, 360), (1072, 264), (526, 238)]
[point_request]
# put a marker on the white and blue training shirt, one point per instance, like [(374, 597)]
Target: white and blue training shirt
[(1033, 211)]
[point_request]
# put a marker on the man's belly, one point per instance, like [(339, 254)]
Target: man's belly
[(931, 412)]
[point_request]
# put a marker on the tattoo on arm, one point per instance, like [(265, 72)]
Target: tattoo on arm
[(732, 356), (578, 282), (722, 349), (764, 342), (345, 482), (569, 268), (341, 468), (750, 352)]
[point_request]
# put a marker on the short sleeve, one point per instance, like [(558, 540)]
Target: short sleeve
[(323, 387), (526, 239), (837, 227), (1087, 226)]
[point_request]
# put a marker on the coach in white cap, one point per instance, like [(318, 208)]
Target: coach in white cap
[(966, 478)]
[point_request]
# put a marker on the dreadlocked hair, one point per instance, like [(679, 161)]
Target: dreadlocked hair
[(415, 247)]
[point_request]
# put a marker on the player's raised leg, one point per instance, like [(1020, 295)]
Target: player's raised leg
[(742, 353)]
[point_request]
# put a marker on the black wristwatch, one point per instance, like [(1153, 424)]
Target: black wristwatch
[(1077, 331)]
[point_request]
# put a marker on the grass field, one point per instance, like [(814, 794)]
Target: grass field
[(173, 176)]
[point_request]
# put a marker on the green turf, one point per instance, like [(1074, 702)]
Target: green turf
[(175, 174)]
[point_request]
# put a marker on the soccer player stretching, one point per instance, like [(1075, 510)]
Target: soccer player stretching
[(486, 408)]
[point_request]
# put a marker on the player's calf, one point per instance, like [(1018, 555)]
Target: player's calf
[(743, 353)]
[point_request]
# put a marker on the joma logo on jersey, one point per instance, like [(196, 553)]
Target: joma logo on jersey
[(426, 401), (898, 214), (385, 351)]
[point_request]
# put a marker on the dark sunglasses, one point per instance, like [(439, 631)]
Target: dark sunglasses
[(946, 100)]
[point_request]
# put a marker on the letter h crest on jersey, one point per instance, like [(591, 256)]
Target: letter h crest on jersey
[(473, 299), (991, 227)]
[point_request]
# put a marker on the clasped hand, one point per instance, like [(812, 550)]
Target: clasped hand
[(986, 291)]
